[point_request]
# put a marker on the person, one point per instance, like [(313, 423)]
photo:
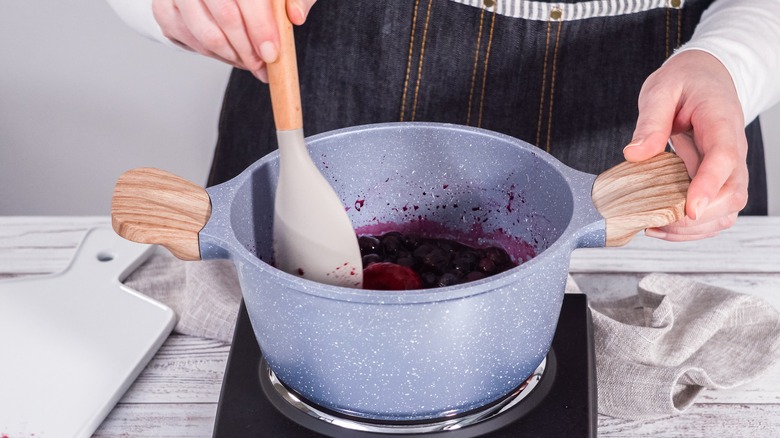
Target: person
[(579, 79)]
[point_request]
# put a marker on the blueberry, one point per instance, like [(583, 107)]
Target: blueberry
[(436, 260), (448, 245), (406, 260), (429, 279), (447, 279), (473, 276), (423, 250), (368, 245), (485, 265), (411, 241), (498, 256), (370, 259), (391, 243), (465, 261)]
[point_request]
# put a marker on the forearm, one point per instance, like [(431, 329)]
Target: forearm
[(744, 35)]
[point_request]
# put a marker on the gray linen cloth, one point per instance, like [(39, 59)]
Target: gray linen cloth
[(655, 351), (205, 295)]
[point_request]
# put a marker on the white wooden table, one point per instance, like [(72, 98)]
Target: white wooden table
[(177, 394)]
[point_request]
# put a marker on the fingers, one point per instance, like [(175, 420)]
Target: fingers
[(172, 25), (685, 148), (193, 28), (695, 232), (211, 41), (242, 33), (693, 229), (657, 109), (677, 237), (261, 28), (227, 17), (298, 10), (722, 158), (719, 215)]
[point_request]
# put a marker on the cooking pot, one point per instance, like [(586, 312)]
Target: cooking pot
[(418, 354)]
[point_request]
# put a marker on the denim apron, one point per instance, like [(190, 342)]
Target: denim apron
[(564, 75)]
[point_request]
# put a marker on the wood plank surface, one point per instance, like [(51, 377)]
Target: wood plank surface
[(185, 370), (701, 421), (755, 239), (159, 420)]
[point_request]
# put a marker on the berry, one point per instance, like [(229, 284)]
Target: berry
[(391, 244), (390, 276), (368, 245), (486, 266), (370, 259), (396, 261)]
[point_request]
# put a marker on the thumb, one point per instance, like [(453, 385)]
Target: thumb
[(653, 126), (298, 10)]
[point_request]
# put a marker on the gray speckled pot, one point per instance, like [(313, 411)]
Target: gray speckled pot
[(421, 354)]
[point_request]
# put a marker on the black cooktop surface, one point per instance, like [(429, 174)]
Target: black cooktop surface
[(562, 405)]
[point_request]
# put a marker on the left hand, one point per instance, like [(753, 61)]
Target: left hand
[(692, 100)]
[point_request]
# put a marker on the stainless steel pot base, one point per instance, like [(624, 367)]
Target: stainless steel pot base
[(568, 409), (538, 384)]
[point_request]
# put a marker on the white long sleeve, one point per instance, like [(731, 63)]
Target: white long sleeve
[(138, 15), (745, 36)]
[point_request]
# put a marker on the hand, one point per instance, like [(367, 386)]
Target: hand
[(241, 33), (692, 100)]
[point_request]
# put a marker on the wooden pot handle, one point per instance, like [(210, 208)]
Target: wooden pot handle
[(158, 207), (646, 194), (283, 75)]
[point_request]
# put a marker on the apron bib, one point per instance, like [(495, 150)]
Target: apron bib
[(564, 76)]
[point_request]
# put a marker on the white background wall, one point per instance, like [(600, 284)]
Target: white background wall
[(84, 98)]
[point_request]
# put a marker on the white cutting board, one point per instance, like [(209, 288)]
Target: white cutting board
[(72, 343)]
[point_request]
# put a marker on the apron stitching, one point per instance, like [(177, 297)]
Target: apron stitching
[(474, 71), (422, 55), (544, 84), (485, 68), (679, 27), (552, 83), (666, 46), (409, 59)]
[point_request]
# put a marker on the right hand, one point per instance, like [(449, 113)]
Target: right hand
[(241, 33)]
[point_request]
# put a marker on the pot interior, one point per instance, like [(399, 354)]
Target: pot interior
[(472, 185)]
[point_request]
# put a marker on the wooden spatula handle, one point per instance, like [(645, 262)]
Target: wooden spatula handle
[(283, 75), (646, 194), (158, 207)]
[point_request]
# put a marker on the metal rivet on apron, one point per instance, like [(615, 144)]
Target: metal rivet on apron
[(556, 13), (489, 3), (675, 3)]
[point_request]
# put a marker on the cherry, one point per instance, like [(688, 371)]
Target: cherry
[(390, 276)]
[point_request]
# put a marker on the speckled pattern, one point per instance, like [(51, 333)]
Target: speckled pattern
[(412, 355)]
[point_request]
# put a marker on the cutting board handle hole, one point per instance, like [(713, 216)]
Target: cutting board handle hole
[(105, 256)]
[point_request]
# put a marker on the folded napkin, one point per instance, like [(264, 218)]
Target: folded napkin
[(655, 351)]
